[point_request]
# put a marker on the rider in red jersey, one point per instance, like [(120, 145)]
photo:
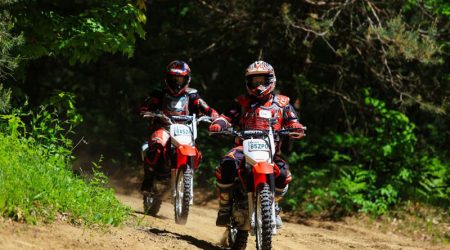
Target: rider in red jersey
[(250, 112), (176, 99)]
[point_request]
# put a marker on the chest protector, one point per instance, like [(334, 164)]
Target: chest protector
[(255, 116), (175, 105)]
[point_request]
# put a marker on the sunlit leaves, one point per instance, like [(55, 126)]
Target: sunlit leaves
[(83, 35), (407, 43)]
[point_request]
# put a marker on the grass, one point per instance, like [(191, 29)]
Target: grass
[(418, 221), (38, 186)]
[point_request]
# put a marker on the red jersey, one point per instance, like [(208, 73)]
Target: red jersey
[(249, 113)]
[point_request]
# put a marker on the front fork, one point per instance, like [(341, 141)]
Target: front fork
[(252, 200), (173, 179)]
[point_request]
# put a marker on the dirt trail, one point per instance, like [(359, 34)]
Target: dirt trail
[(145, 232), (201, 232)]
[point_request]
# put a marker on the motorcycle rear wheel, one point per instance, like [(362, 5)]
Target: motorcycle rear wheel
[(152, 204), (237, 239)]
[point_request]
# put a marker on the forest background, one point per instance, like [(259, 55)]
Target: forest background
[(370, 79)]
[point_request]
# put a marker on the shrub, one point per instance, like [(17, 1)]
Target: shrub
[(36, 180)]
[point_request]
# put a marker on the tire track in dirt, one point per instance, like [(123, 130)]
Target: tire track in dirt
[(200, 232)]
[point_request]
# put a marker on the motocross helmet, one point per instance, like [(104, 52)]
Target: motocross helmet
[(178, 76), (260, 79)]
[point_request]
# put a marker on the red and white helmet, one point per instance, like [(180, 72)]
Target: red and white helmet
[(178, 77), (260, 79)]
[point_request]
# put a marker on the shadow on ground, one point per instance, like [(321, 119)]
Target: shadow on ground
[(187, 238)]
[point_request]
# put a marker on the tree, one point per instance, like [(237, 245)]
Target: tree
[(78, 30), (8, 41)]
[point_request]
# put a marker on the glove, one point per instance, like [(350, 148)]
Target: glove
[(214, 115), (214, 128), (297, 130)]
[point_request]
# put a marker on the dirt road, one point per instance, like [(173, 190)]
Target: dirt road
[(201, 232), (144, 232)]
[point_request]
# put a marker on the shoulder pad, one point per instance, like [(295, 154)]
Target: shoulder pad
[(191, 91), (281, 100)]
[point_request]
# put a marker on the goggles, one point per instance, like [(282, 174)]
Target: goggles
[(254, 82), (176, 82)]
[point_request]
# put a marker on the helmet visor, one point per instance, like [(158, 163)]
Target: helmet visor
[(255, 81), (176, 82)]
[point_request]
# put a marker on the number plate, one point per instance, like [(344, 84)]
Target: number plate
[(256, 146), (181, 131)]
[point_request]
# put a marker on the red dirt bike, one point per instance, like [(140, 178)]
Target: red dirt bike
[(253, 191), (183, 159)]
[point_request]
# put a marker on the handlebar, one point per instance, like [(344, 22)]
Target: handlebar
[(251, 133), (175, 118), (204, 118)]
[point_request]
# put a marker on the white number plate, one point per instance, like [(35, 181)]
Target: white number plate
[(181, 131), (256, 146)]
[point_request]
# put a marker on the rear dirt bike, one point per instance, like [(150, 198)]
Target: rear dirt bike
[(183, 159), (253, 192)]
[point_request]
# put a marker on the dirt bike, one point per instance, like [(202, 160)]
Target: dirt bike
[(183, 159), (253, 191)]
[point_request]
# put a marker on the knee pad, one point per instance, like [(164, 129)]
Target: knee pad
[(284, 177), (154, 154)]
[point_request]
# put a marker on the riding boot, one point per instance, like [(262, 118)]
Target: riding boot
[(151, 158), (223, 216), (147, 182), (279, 193), (147, 186)]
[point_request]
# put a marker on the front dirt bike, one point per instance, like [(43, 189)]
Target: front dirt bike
[(253, 193), (183, 160)]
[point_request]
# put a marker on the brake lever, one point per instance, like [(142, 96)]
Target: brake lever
[(162, 117), (205, 119)]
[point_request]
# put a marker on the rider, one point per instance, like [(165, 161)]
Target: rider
[(248, 112), (176, 99)]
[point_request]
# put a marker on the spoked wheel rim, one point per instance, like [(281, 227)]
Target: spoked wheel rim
[(237, 239), (232, 233), (148, 201), (183, 194), (258, 222), (179, 193)]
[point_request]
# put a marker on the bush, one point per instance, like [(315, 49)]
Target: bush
[(369, 170), (36, 180)]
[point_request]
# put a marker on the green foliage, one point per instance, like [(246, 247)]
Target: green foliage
[(79, 31), (404, 43), (372, 169), (54, 122), (5, 99), (36, 181), (437, 6), (364, 151), (434, 180), (8, 41)]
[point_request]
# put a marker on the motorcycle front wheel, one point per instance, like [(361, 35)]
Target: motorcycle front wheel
[(183, 194), (263, 218)]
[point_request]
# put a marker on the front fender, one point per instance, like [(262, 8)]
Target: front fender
[(184, 152), (260, 171)]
